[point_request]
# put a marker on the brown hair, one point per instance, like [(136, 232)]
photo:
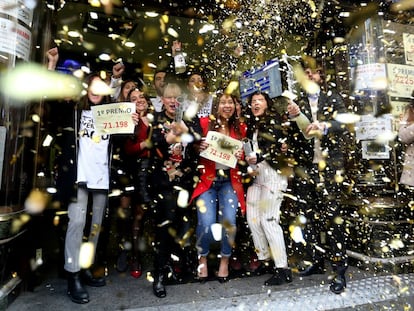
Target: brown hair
[(233, 121)]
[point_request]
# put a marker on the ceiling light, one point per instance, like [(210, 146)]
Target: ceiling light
[(93, 15), (129, 44), (104, 57), (74, 34), (113, 36), (151, 14)]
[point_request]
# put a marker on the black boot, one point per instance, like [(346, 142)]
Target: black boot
[(279, 277), (317, 267), (89, 279), (158, 286), (338, 283), (76, 291)]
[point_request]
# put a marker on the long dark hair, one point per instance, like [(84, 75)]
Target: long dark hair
[(233, 121)]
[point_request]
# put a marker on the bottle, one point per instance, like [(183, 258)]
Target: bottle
[(179, 61)]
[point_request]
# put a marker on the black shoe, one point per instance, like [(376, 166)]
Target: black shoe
[(222, 279), (338, 284), (279, 277), (265, 267), (158, 287), (122, 261), (316, 268), (76, 291), (90, 280)]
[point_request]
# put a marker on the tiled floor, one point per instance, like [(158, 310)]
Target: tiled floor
[(365, 291)]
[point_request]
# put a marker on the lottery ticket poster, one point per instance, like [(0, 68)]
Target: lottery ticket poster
[(114, 118), (221, 149)]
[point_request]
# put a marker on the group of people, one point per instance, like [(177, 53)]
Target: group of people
[(193, 197)]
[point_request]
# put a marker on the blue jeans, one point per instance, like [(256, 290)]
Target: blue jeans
[(222, 196)]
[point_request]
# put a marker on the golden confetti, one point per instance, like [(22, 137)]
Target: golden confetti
[(216, 230), (36, 201), (183, 196), (38, 83), (86, 255)]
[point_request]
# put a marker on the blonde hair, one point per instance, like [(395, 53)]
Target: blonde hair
[(172, 90)]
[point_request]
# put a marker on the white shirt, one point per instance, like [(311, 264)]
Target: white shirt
[(93, 166), (203, 111), (317, 150), (157, 103)]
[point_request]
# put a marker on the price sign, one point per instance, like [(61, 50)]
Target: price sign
[(401, 80), (114, 118), (221, 149)]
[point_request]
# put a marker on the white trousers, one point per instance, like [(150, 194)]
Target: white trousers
[(264, 198)]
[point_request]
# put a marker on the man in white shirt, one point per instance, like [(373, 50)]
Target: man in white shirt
[(321, 193)]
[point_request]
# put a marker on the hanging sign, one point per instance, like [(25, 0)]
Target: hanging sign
[(401, 80), (408, 40)]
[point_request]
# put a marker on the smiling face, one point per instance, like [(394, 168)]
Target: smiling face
[(258, 104), (171, 99), (137, 97), (226, 106)]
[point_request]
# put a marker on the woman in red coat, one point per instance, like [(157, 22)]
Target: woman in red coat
[(219, 192), (137, 150)]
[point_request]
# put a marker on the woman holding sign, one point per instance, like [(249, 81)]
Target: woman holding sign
[(89, 170), (265, 195), (219, 192)]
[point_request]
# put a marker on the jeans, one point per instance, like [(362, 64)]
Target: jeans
[(218, 204)]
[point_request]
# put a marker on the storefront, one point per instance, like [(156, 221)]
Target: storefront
[(369, 60)]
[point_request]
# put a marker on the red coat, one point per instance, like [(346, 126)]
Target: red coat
[(133, 145), (208, 170)]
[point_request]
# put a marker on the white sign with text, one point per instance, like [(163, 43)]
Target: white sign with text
[(114, 118), (221, 149)]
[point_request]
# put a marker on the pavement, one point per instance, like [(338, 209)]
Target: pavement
[(369, 287), (366, 290)]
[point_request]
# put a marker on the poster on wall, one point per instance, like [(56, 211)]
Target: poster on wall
[(398, 108), (401, 80), (370, 127), (15, 39), (17, 9), (408, 40), (368, 76), (373, 150)]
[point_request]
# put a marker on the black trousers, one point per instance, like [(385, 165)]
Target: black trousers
[(171, 224), (320, 201)]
